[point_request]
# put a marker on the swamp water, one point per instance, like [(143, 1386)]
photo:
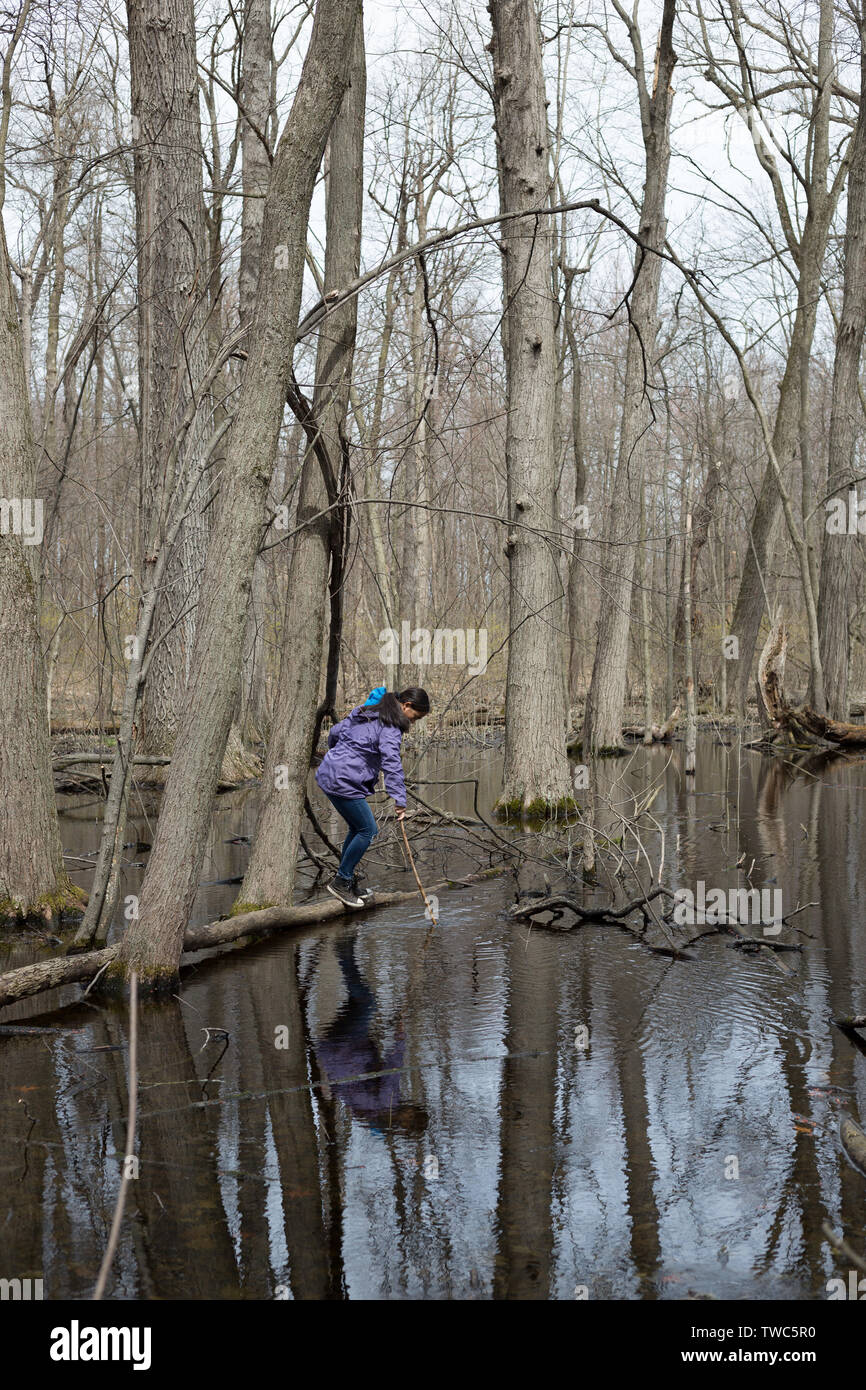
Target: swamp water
[(510, 1113)]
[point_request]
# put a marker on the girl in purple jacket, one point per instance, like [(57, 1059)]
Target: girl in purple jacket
[(361, 746)]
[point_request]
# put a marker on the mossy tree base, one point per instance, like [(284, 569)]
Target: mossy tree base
[(241, 907), (612, 750), (114, 983), (534, 809), (65, 904)]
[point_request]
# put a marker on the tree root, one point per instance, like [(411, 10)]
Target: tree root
[(798, 726)]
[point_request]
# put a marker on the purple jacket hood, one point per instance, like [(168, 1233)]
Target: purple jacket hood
[(359, 748)]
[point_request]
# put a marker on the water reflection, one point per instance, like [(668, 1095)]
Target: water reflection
[(481, 1113), (364, 1076)]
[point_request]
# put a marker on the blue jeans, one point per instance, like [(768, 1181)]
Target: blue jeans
[(362, 828)]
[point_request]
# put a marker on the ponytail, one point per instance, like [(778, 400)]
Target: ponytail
[(390, 713)]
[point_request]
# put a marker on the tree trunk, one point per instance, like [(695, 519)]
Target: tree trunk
[(646, 647), (834, 597), (153, 942), (702, 517), (255, 146), (270, 874), (606, 696), (808, 255), (688, 570), (172, 336), (253, 717), (536, 765), (33, 881), (575, 587), (752, 594)]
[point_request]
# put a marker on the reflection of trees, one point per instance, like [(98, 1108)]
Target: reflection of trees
[(186, 1249), (35, 1225), (840, 849), (763, 830), (351, 1048), (276, 1001), (640, 1171), (332, 1162), (527, 1102)]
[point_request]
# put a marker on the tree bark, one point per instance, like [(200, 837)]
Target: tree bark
[(808, 254), (646, 647), (688, 570), (172, 335), (153, 942), (257, 72), (606, 696), (834, 595), (702, 516), (574, 560), (536, 766), (33, 881), (271, 871)]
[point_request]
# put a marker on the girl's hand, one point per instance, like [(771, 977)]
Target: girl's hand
[(401, 812)]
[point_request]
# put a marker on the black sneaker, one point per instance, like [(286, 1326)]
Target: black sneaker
[(345, 890), (356, 884)]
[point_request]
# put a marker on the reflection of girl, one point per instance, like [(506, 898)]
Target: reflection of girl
[(361, 746), (348, 1050)]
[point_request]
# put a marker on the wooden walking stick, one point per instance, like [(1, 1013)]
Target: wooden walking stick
[(430, 913)]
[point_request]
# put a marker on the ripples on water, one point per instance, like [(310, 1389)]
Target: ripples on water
[(430, 1129)]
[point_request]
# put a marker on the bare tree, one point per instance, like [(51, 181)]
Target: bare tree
[(172, 337), (834, 596), (270, 874), (154, 942), (606, 696), (33, 881), (805, 239), (257, 68), (536, 772)]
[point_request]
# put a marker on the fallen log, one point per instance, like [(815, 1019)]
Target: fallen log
[(103, 760), (798, 724), (853, 1141), (48, 974), (104, 756), (64, 970), (60, 727), (660, 732)]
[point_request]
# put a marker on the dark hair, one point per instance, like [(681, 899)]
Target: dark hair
[(391, 714), (416, 697)]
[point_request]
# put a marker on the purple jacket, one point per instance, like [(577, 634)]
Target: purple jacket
[(359, 748)]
